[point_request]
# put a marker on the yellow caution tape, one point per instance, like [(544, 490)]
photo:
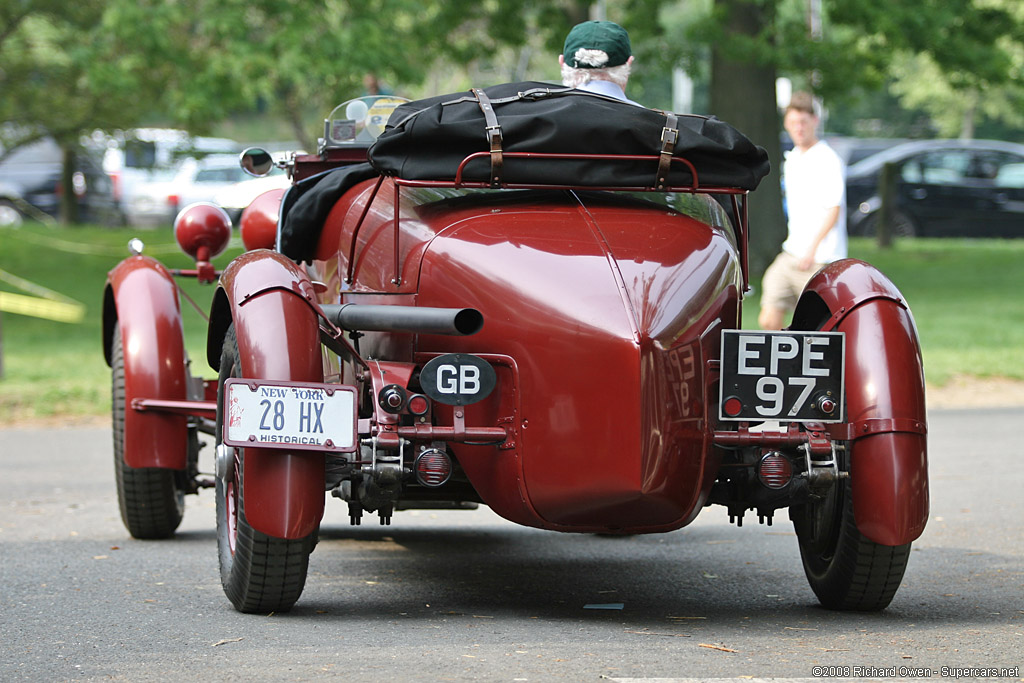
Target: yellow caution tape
[(42, 308)]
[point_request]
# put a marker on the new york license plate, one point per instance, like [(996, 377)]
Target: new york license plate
[(292, 415), (785, 376)]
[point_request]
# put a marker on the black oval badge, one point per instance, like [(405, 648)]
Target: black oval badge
[(458, 379)]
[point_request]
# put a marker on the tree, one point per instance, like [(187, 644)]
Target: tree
[(743, 92), (46, 50), (299, 59), (850, 44)]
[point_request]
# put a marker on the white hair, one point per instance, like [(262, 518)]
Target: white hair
[(574, 78)]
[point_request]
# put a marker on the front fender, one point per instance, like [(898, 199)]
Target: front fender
[(141, 300), (885, 396), (269, 299)]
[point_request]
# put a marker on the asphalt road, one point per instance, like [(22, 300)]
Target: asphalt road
[(468, 596)]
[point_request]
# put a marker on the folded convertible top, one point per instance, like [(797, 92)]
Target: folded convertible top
[(428, 140)]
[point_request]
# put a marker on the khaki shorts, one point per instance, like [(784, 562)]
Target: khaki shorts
[(783, 282)]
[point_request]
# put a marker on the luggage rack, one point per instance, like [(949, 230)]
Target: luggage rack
[(497, 157)]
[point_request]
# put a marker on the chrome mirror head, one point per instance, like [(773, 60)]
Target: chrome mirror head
[(256, 161)]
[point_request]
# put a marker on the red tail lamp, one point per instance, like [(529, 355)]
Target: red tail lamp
[(418, 404), (775, 470), (433, 467)]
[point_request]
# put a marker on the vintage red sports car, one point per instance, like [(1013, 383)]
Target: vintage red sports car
[(526, 297)]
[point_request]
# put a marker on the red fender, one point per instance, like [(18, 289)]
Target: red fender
[(269, 299), (885, 396), (142, 300)]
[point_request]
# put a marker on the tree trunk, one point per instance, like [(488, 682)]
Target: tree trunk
[(68, 211), (743, 94), (300, 127), (970, 112), (887, 195)]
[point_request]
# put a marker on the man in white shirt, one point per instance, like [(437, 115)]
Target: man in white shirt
[(597, 57), (816, 203)]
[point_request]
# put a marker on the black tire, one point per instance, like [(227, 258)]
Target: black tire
[(152, 499), (259, 573), (846, 570), (10, 217), (902, 225)]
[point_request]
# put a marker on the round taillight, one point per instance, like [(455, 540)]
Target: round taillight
[(202, 230), (775, 470), (258, 223), (433, 467), (391, 398), (418, 404), (827, 405), (732, 406)]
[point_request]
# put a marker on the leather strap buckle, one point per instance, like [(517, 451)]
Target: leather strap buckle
[(493, 131), (669, 137)]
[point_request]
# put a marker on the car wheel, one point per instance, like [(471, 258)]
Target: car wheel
[(259, 573), (10, 217), (846, 570), (152, 499), (902, 225)]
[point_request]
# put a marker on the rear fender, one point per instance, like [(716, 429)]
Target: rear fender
[(885, 396), (269, 299), (141, 300)]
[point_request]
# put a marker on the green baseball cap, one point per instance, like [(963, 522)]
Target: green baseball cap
[(606, 36)]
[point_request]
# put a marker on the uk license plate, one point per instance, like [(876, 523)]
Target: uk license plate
[(291, 415), (785, 376)]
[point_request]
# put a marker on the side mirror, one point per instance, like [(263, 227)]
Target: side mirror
[(256, 162)]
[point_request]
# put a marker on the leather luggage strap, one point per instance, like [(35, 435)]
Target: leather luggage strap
[(669, 136), (493, 130)]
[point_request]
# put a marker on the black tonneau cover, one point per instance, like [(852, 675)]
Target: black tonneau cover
[(428, 139)]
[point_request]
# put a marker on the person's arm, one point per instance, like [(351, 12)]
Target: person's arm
[(831, 217)]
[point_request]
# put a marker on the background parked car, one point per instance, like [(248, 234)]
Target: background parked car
[(944, 188), (30, 185), (234, 198), (156, 203), (851, 149), (143, 157)]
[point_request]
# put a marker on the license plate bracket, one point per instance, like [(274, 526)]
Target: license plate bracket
[(289, 415), (782, 375)]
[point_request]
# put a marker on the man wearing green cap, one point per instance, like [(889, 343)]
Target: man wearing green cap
[(597, 58)]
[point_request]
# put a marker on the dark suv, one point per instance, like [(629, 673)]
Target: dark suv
[(30, 185)]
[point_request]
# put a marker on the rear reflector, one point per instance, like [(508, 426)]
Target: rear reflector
[(774, 470), (433, 467), (418, 404)]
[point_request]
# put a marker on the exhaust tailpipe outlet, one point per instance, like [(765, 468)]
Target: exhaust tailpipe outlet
[(412, 319)]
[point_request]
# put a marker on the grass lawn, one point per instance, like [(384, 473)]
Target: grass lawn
[(965, 295), (53, 368), (966, 299)]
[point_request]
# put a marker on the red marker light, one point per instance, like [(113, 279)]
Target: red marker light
[(433, 467), (732, 406), (774, 470), (418, 404)]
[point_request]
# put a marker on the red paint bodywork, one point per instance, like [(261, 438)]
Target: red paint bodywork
[(885, 399), (605, 310), (603, 317), (258, 224), (278, 338), (141, 299)]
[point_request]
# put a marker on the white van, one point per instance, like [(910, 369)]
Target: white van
[(141, 156)]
